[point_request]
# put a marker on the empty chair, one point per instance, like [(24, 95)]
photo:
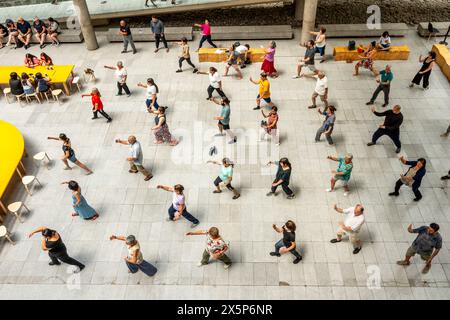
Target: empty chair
[(15, 207), (28, 180), (39, 157), (5, 233), (432, 31), (28, 97), (56, 93), (76, 81), (7, 93)]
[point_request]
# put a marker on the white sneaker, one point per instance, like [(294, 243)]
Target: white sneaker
[(346, 193), (329, 190), (200, 264), (226, 266), (295, 77)]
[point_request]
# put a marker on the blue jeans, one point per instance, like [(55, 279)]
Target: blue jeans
[(144, 266), (280, 244), (185, 214), (148, 102)]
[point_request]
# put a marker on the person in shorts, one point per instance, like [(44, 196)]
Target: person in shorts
[(263, 92), (307, 61), (351, 225), (232, 61), (225, 177), (224, 119), (243, 50), (321, 90), (342, 173)]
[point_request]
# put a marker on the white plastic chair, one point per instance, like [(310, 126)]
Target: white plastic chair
[(76, 81), (39, 157), (28, 180), (15, 207), (5, 233), (56, 93), (7, 93)]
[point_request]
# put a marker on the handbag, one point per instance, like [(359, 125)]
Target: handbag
[(351, 45)]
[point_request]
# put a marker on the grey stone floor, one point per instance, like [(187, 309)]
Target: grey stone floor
[(128, 205)]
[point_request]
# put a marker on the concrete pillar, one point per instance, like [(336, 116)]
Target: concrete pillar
[(299, 6), (86, 25), (309, 19)]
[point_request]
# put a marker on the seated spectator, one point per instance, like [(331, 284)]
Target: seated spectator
[(31, 61), (243, 49), (53, 31), (15, 84), (42, 83), (3, 34), (40, 31), (13, 33), (25, 32), (385, 41), (27, 83), (45, 60)]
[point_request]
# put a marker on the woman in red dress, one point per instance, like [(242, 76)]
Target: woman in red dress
[(268, 65)]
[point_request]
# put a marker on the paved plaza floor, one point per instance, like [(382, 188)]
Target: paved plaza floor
[(129, 205)]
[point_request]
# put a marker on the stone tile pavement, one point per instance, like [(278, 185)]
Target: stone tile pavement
[(128, 205)]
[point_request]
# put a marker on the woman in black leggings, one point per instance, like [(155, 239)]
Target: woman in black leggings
[(185, 55), (57, 251), (425, 70), (282, 178)]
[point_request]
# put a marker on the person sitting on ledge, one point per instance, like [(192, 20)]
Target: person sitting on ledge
[(385, 42)]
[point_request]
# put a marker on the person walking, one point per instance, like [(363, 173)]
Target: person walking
[(79, 203), (384, 80), (225, 177), (287, 244), (97, 104), (69, 153), (282, 178), (321, 90), (184, 55), (268, 65), (161, 129), (157, 27), (224, 119), (263, 91), (270, 127), (327, 125), (121, 76), (127, 37), (367, 60), (353, 220), (412, 178), (215, 247), (136, 157), (57, 251), (391, 126), (232, 61), (425, 71), (135, 260), (215, 82), (151, 100), (307, 61), (342, 173), (206, 34), (320, 42), (427, 244), (178, 207)]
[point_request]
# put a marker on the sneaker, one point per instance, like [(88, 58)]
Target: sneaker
[(133, 171), (109, 120), (128, 95), (226, 266), (274, 254), (195, 70), (394, 194), (384, 105), (297, 260), (80, 269), (124, 51), (369, 103), (426, 269), (148, 177), (312, 106), (403, 263), (444, 135), (134, 51), (257, 108), (417, 199), (118, 94), (329, 190), (193, 225), (295, 77), (346, 193), (51, 263), (398, 150), (447, 177), (411, 85), (233, 141), (179, 70), (426, 88), (292, 196), (356, 250), (217, 191), (270, 194), (93, 118), (236, 196), (371, 144), (219, 134), (201, 264), (335, 240), (169, 219)]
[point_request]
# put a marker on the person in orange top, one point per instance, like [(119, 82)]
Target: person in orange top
[(97, 105), (264, 91)]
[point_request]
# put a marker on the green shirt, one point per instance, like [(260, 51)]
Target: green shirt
[(345, 168), (225, 114), (386, 76), (225, 172)]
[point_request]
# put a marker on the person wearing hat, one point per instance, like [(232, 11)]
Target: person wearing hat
[(342, 173), (135, 260), (57, 251), (264, 91), (178, 207), (225, 176)]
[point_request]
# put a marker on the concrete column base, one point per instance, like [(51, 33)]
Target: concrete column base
[(309, 19), (86, 24)]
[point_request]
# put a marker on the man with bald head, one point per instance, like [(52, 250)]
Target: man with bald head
[(136, 157), (390, 127), (351, 224), (125, 31)]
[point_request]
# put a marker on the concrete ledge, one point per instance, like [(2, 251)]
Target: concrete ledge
[(442, 58), (251, 32), (66, 36), (145, 34), (361, 30), (422, 28), (395, 53)]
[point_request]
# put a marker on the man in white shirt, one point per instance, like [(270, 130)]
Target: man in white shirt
[(121, 76), (353, 220), (243, 51), (321, 90), (215, 83)]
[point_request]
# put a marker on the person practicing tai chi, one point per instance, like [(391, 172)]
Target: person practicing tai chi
[(224, 119), (178, 207), (79, 203), (136, 157), (412, 178), (263, 92), (225, 177), (391, 126), (384, 80), (353, 220), (287, 244)]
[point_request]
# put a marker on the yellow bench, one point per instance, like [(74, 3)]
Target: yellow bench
[(442, 58), (221, 54), (394, 53), (12, 148)]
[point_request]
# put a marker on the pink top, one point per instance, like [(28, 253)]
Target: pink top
[(206, 29), (35, 62), (270, 56)]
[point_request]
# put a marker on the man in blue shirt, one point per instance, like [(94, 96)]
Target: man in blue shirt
[(384, 79), (427, 244), (25, 32), (412, 177)]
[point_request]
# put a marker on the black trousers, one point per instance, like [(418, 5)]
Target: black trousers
[(123, 86), (159, 38), (285, 188), (64, 257), (103, 113), (211, 90), (385, 89), (188, 60), (206, 38), (415, 188), (426, 79), (394, 135)]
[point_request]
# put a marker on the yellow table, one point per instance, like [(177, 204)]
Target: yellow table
[(442, 58), (59, 74), (12, 148), (395, 53)]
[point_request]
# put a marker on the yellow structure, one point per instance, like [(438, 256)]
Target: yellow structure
[(221, 54), (394, 53), (443, 58), (12, 148), (58, 75)]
